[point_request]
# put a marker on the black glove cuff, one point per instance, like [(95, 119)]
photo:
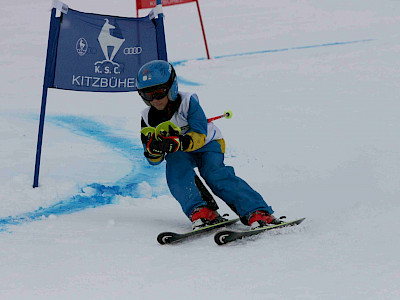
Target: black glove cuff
[(185, 141)]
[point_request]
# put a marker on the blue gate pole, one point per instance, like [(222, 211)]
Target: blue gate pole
[(47, 82), (40, 137)]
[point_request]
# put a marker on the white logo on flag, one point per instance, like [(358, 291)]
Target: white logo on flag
[(107, 40), (132, 50), (107, 73), (81, 46)]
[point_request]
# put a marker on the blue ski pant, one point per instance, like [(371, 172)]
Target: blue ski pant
[(220, 178)]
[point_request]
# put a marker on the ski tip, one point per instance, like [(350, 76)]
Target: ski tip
[(300, 220)]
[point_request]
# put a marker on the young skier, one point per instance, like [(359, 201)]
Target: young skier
[(200, 144)]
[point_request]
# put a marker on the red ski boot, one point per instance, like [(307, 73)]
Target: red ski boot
[(203, 216), (261, 218)]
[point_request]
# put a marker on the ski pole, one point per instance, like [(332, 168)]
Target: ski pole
[(227, 115), (163, 128)]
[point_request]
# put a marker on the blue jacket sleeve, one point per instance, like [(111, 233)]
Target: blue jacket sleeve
[(198, 126), (196, 117)]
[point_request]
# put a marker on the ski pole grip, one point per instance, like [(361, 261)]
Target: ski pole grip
[(227, 115)]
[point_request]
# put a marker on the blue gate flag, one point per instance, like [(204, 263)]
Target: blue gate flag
[(97, 53), (102, 53)]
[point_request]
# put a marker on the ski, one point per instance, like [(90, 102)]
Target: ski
[(173, 237), (226, 236)]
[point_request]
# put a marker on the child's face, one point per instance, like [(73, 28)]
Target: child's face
[(160, 104)]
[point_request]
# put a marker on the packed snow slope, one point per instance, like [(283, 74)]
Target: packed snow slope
[(314, 88)]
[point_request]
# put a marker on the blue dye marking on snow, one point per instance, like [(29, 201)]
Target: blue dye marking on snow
[(95, 194), (74, 204), (187, 82), (295, 48), (182, 62)]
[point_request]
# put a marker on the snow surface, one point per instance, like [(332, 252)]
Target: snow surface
[(314, 88)]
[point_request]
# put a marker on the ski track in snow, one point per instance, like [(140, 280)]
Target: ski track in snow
[(95, 194)]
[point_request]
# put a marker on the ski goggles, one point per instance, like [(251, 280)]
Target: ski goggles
[(158, 91), (155, 93)]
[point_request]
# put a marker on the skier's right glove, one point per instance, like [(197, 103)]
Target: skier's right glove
[(171, 144)]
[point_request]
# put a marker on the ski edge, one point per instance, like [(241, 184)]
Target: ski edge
[(172, 237), (226, 236)]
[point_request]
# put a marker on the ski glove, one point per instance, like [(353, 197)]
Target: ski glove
[(174, 143), (153, 148)]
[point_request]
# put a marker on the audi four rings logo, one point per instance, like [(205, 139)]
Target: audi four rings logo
[(132, 50)]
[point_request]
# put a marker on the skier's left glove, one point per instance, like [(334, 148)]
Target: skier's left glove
[(153, 147), (174, 143)]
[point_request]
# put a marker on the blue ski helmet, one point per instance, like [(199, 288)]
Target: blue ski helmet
[(156, 79)]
